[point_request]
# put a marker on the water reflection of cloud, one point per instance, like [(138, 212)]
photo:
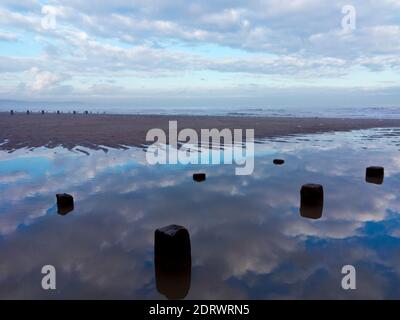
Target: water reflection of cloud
[(248, 239)]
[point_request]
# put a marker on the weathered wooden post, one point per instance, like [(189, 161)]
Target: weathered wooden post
[(173, 261), (311, 201), (199, 177), (278, 162), (374, 175), (65, 203)]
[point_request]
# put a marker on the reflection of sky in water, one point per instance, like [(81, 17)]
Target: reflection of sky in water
[(248, 239)]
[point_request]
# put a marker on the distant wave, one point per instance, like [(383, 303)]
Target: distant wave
[(331, 112)]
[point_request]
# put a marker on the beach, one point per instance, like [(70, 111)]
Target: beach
[(245, 235), (96, 131)]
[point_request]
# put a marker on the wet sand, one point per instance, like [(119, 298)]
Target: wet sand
[(116, 131)]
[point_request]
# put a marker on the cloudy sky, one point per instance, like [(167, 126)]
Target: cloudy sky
[(197, 53)]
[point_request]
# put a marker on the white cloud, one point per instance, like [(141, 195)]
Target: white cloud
[(42, 80), (8, 36), (119, 39)]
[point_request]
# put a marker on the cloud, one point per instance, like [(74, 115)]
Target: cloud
[(7, 36), (298, 41), (42, 79)]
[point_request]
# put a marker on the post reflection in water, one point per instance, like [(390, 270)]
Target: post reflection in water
[(247, 237), (173, 261)]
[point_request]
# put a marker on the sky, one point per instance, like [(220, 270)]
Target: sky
[(169, 53)]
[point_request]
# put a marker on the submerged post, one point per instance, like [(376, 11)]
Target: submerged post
[(311, 201), (278, 162), (173, 261), (199, 177), (374, 175), (65, 203)]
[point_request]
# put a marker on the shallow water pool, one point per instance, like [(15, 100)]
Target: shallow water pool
[(248, 240)]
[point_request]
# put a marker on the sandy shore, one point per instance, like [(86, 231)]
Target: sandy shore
[(115, 131)]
